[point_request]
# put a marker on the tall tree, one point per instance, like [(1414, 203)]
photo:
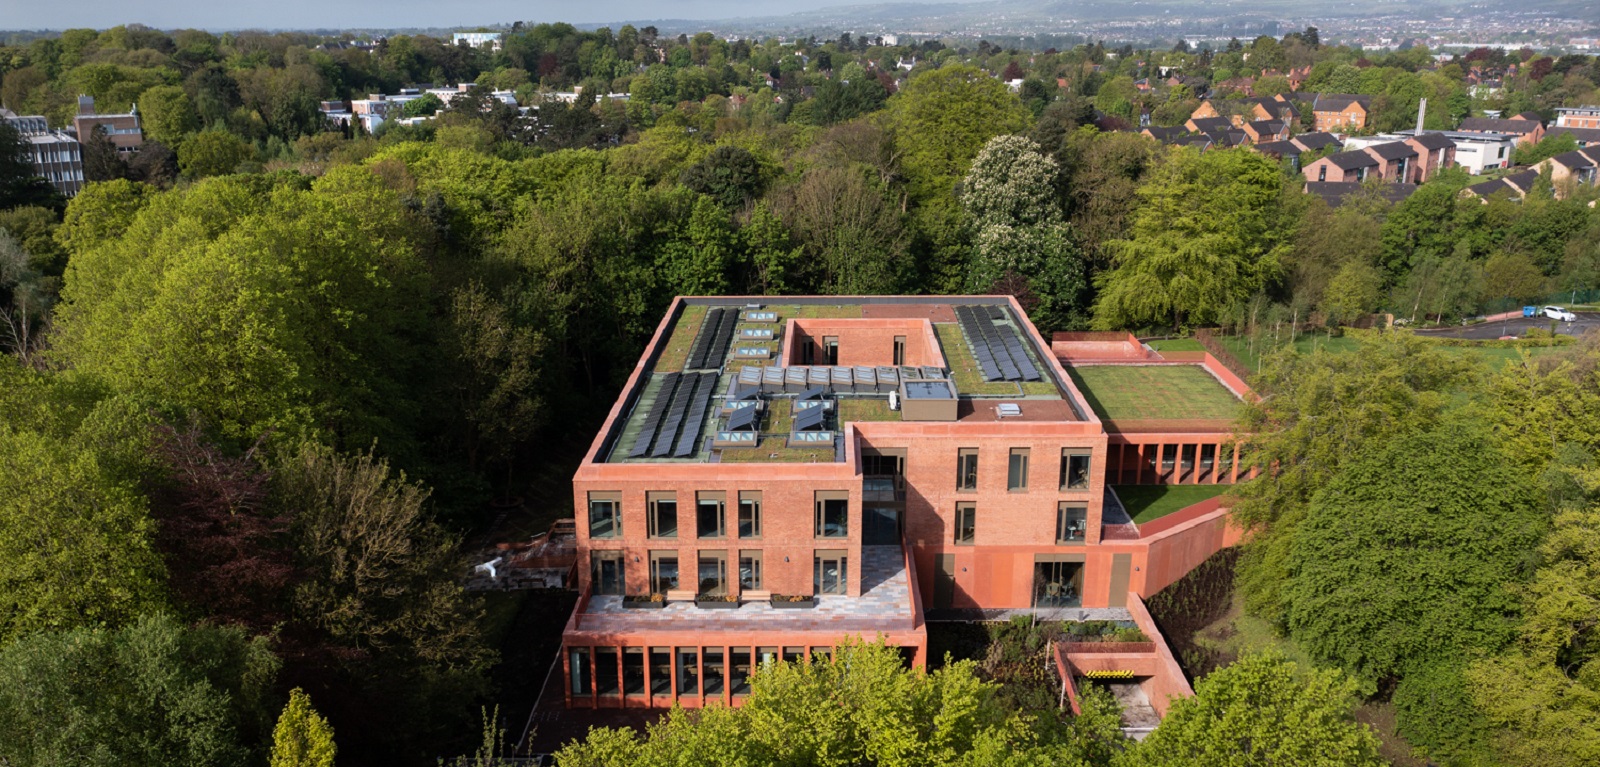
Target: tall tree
[(1404, 557), (153, 693), (1210, 232), (1262, 710), (302, 738), (1324, 409)]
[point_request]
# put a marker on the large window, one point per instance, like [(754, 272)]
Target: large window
[(833, 515), (899, 350), (830, 350), (1072, 522), (832, 574), (633, 670), (967, 468), (750, 570), (607, 680), (750, 514), (663, 571), (966, 523), (578, 670), (607, 573), (739, 671), (663, 515), (712, 662), (605, 515), (688, 671), (713, 574), (1017, 470), (660, 671), (710, 521), (1075, 469), (1057, 583)]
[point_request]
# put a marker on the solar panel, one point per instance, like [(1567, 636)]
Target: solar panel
[(809, 419), (814, 392), (689, 441), (743, 419), (652, 420), (669, 428)]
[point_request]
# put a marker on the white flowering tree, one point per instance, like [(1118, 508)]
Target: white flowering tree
[(1023, 243)]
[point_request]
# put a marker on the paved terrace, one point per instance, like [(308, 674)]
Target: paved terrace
[(884, 604)]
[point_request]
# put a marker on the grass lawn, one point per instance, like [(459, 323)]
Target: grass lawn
[(1146, 503), (1494, 356), (1140, 392), (773, 447), (683, 332), (865, 409), (1177, 345)]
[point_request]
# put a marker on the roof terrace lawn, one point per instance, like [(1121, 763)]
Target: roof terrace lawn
[(1146, 503), (773, 446), (1154, 392)]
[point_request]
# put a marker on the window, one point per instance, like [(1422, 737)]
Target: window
[(833, 514), (750, 514), (739, 671), (899, 350), (1322, 173), (1072, 522), (967, 468), (830, 350), (660, 671), (966, 523), (1017, 470), (633, 671), (606, 679), (578, 670), (688, 671), (1169, 459), (1075, 469), (714, 671), (607, 573), (1057, 583), (709, 518), (808, 353), (605, 515), (663, 515), (713, 574), (750, 570), (663, 571), (832, 572)]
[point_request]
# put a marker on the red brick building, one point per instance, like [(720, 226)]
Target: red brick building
[(780, 474)]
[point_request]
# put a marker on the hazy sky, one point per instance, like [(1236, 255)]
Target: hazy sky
[(310, 14)]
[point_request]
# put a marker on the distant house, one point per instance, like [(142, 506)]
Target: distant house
[(1261, 131), (1478, 152), (1586, 137), (1570, 170), (1316, 141), (56, 156), (1517, 184), (1282, 150), (123, 129), (1577, 117), (489, 40), (1435, 152), (1240, 111), (1527, 131), (1397, 161), (1341, 111), (1355, 166)]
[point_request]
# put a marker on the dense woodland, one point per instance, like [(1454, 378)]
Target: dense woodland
[(264, 376)]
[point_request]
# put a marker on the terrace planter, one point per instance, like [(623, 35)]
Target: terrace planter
[(643, 604), (716, 604), (1110, 647), (793, 604)]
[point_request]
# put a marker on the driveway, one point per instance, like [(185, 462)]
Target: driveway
[(1586, 322)]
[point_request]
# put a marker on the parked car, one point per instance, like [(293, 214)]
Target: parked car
[(1558, 313)]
